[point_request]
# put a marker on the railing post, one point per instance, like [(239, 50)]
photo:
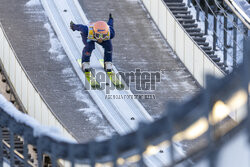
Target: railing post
[(246, 45), (206, 19), (208, 103), (215, 29), (140, 143), (1, 147), (113, 150), (189, 3), (12, 163), (198, 10), (235, 21), (71, 155), (246, 61), (92, 154), (25, 148), (169, 123), (39, 152), (54, 155), (225, 40)]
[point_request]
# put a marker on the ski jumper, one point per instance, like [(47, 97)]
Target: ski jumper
[(88, 39)]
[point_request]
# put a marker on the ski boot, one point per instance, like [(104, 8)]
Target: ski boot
[(108, 66), (86, 67)]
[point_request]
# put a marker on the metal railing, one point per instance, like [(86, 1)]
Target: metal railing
[(239, 12), (233, 30), (201, 117)]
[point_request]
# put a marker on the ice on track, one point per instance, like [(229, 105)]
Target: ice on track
[(32, 3), (56, 46)]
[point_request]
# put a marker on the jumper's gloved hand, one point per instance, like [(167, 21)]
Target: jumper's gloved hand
[(72, 25), (110, 16)]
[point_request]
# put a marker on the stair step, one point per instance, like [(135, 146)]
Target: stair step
[(186, 20), (223, 68), (209, 52), (189, 30), (19, 146), (212, 56), (198, 39), (196, 34), (6, 133), (184, 17), (217, 59), (203, 43), (179, 8), (190, 25), (221, 64), (180, 12), (226, 71), (180, 1), (206, 47), (18, 143), (175, 4), (7, 139)]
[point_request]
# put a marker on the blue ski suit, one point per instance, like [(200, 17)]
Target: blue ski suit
[(90, 45)]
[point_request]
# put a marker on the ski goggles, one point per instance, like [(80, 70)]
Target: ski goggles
[(101, 36)]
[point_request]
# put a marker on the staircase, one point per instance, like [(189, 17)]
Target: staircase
[(18, 148), (180, 11)]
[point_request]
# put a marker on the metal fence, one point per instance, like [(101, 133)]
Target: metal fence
[(226, 30), (201, 118)]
